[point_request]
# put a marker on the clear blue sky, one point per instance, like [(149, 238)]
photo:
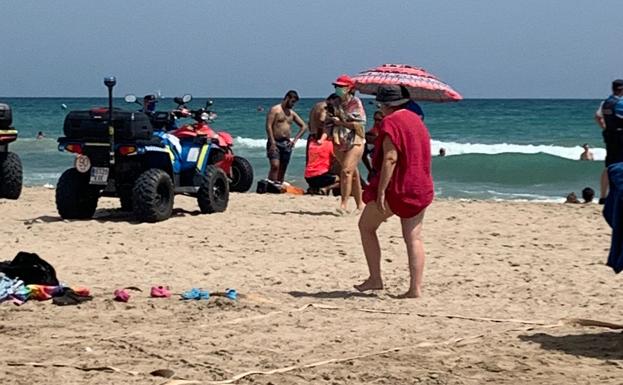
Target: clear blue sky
[(228, 48)]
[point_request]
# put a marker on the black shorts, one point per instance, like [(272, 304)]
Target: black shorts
[(320, 181), (614, 146), (282, 153)]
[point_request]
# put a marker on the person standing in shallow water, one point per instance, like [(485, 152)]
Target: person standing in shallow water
[(278, 131), (587, 154), (402, 186)]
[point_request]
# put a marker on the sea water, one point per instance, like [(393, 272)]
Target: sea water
[(506, 149)]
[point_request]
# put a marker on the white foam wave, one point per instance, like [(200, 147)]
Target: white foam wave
[(454, 148), (260, 143)]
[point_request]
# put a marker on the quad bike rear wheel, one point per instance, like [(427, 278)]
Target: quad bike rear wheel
[(152, 196), (213, 194), (241, 175), (10, 175), (75, 198)]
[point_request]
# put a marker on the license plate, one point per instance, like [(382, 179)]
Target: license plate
[(99, 175)]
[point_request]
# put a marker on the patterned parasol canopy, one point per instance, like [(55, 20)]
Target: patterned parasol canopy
[(422, 85)]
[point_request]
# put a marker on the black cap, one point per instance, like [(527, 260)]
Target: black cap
[(391, 95), (617, 84)]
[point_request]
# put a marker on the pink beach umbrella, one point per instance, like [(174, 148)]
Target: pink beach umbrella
[(421, 84)]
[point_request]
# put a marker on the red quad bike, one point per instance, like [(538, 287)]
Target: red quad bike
[(10, 164), (237, 168)]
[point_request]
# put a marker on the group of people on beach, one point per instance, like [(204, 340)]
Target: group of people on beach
[(396, 152), (335, 144)]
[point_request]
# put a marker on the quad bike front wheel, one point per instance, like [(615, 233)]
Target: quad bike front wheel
[(75, 198), (241, 175), (213, 194), (10, 175), (152, 196)]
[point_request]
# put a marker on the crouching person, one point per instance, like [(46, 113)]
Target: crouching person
[(318, 168)]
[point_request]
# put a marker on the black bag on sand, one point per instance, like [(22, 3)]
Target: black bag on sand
[(265, 186), (70, 297), (31, 269)]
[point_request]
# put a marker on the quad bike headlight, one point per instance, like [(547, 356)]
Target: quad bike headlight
[(82, 163)]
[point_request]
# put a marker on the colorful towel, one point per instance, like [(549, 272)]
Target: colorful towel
[(9, 288), (14, 289)]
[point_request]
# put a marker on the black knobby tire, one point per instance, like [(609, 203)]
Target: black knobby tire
[(241, 175), (152, 196), (75, 198), (10, 175), (213, 194), (126, 202)]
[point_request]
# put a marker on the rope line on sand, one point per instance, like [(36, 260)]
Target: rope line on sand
[(235, 378), (569, 321), (340, 360), (573, 322), (71, 366)]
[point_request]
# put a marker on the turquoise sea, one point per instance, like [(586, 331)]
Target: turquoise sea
[(503, 149)]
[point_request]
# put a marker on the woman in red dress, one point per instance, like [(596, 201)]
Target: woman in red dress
[(402, 186)]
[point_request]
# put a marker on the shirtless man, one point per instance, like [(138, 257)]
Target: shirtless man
[(278, 130), (317, 117)]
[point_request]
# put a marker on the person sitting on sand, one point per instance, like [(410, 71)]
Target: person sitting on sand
[(587, 154), (572, 198), (402, 186), (588, 194), (318, 168)]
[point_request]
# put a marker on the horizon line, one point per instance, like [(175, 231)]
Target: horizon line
[(303, 98)]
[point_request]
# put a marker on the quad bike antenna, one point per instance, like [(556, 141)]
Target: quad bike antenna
[(110, 82)]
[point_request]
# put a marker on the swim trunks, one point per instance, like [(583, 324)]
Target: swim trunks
[(282, 153)]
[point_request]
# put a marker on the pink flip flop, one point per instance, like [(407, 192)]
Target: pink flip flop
[(121, 295), (160, 292)]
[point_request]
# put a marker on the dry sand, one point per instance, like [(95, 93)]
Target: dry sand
[(515, 262)]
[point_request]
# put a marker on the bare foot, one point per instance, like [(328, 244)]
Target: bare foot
[(342, 211), (369, 284), (411, 294), (356, 212)]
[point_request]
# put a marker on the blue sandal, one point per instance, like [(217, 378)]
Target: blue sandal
[(196, 293), (231, 294)]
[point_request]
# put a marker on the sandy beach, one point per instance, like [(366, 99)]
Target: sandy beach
[(500, 280)]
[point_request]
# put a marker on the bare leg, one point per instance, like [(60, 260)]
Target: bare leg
[(273, 173), (369, 222), (282, 171), (350, 176), (604, 184), (356, 192), (412, 234)]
